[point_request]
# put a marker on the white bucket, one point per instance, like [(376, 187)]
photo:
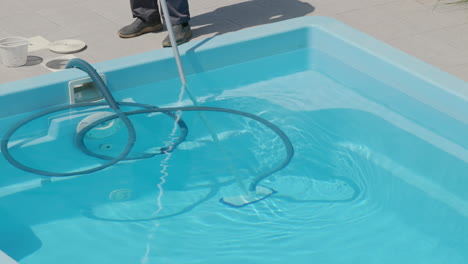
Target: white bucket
[(14, 51)]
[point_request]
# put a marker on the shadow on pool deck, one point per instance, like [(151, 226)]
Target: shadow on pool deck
[(248, 14), (430, 32)]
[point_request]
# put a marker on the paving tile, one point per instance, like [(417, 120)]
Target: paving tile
[(60, 34), (433, 51), (455, 36), (38, 43), (388, 12), (9, 8), (387, 31), (449, 6), (78, 19), (401, 18), (416, 45), (286, 9), (379, 2), (120, 12), (335, 7), (427, 20), (31, 71), (196, 9), (9, 74), (247, 14), (339, 6), (447, 60), (46, 4), (211, 24), (5, 33), (106, 45), (428, 2), (384, 21), (460, 72), (359, 18), (210, 5), (28, 24)]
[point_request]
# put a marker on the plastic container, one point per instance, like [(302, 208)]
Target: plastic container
[(14, 51)]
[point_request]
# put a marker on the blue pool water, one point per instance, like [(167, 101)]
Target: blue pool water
[(369, 183)]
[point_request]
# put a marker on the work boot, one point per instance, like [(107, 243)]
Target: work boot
[(139, 27), (182, 33)]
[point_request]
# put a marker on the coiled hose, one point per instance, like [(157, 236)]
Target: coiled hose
[(115, 106)]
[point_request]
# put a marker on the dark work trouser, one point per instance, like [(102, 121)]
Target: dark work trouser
[(148, 10)]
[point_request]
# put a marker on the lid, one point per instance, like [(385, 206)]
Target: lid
[(67, 46)]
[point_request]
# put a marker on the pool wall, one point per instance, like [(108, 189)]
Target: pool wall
[(429, 98), (353, 48), (401, 83), (402, 173), (155, 66)]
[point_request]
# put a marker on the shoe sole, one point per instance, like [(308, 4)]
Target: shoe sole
[(167, 45), (143, 31)]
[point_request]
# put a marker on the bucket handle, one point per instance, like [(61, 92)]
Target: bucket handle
[(14, 42)]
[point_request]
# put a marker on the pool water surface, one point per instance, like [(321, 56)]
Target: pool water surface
[(369, 183)]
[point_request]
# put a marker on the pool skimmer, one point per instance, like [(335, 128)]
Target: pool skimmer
[(85, 90)]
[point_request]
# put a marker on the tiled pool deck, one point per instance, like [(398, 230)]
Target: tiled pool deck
[(432, 30)]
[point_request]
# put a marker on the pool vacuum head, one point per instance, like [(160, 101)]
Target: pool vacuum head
[(260, 193)]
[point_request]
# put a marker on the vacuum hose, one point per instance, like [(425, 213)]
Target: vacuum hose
[(115, 106)]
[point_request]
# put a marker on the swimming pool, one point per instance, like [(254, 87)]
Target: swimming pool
[(378, 174)]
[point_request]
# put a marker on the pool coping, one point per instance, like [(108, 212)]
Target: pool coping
[(455, 90)]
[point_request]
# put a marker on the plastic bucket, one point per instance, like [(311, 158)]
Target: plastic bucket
[(14, 51)]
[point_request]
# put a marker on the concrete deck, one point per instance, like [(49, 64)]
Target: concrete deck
[(434, 31)]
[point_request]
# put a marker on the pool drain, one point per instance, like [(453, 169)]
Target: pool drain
[(106, 146), (104, 129)]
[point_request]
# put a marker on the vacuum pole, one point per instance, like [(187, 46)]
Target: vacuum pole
[(251, 195), (175, 49)]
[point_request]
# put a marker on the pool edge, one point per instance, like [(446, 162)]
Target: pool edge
[(28, 88)]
